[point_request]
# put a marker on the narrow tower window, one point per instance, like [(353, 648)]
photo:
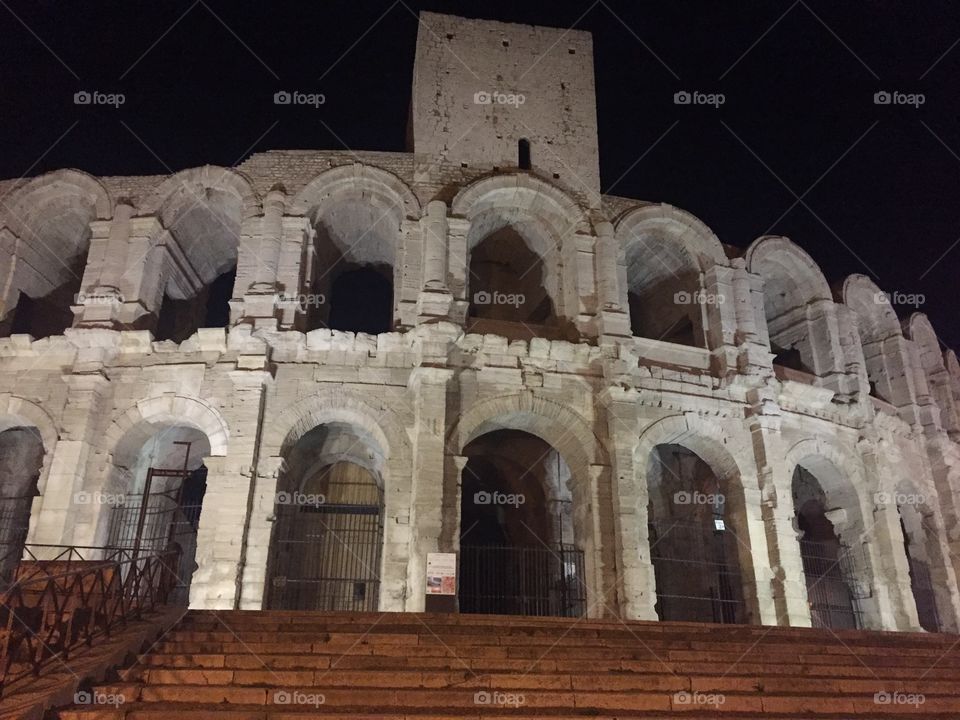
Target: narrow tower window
[(523, 154)]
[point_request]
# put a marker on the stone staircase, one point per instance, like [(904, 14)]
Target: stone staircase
[(283, 665)]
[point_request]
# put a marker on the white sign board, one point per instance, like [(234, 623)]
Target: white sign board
[(441, 573)]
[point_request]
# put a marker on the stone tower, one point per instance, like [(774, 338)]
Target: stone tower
[(491, 94)]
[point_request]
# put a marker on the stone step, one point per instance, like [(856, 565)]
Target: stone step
[(368, 662)]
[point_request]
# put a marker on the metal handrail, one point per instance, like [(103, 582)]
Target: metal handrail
[(61, 602)]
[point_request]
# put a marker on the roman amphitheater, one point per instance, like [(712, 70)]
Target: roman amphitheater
[(315, 369)]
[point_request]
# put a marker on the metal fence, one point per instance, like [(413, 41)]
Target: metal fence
[(522, 581), (63, 597), (829, 569), (697, 572)]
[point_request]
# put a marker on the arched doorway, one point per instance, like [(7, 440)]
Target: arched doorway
[(694, 544), (21, 458), (157, 499), (328, 535), (517, 550), (828, 565)]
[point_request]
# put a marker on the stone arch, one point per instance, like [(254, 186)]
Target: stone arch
[(380, 188), (360, 215), (797, 304), (848, 505), (204, 212), (886, 357), (931, 361), (44, 239), (709, 442), (666, 252), (572, 437), (526, 227), (19, 413), (551, 421), (131, 430), (391, 459)]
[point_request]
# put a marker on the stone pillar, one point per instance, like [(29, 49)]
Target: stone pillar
[(754, 357), (718, 318), (258, 260), (777, 513), (435, 298), (122, 286), (67, 516), (223, 518), (256, 558), (294, 265), (636, 591), (612, 309), (895, 608), (428, 385)]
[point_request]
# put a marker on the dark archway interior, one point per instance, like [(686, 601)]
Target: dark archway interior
[(507, 280), (179, 319), (516, 552), (361, 300), (825, 561), (21, 458), (692, 544), (48, 314)]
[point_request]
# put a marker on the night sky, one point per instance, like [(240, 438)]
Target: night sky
[(878, 184)]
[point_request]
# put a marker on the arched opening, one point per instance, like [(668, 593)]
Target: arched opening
[(44, 251), (507, 281), (201, 264), (880, 338), (351, 268), (361, 300), (693, 540), (209, 308), (21, 459), (921, 545), (523, 154), (157, 497), (664, 292), (828, 566), (517, 550), (328, 535)]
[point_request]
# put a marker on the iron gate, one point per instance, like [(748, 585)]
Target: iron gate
[(522, 581), (152, 522), (922, 586), (326, 556), (828, 569), (696, 579)]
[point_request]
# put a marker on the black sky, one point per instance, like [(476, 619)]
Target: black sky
[(199, 79)]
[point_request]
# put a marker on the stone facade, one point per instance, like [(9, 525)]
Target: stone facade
[(605, 376)]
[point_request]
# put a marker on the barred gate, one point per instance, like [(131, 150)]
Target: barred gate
[(326, 555), (698, 578), (532, 581), (829, 572), (152, 522)]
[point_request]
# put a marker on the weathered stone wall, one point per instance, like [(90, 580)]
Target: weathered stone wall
[(99, 392)]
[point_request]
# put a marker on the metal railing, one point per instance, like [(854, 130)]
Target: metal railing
[(830, 569), (522, 581), (61, 598), (697, 573)]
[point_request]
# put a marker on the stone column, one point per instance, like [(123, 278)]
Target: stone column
[(895, 608), (428, 385), (435, 298), (718, 318), (256, 558), (67, 517), (122, 287), (777, 513), (612, 309), (258, 260), (636, 591), (223, 518)]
